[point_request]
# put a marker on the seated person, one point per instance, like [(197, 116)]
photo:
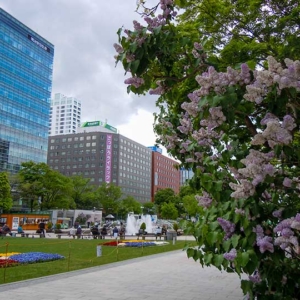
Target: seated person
[(95, 230), (20, 229), (104, 231), (158, 230), (78, 230), (6, 229), (72, 231)]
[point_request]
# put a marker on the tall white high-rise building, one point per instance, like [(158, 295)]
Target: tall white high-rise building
[(65, 115)]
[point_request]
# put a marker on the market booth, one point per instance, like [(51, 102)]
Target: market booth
[(29, 221)]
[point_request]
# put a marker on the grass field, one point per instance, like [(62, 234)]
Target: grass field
[(79, 254)]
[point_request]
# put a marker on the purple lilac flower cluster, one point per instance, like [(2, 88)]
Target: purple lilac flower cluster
[(135, 81), (276, 132), (275, 74), (227, 226), (258, 166), (285, 230), (205, 200), (231, 255), (265, 243), (255, 278)]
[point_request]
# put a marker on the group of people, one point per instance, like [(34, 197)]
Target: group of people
[(5, 229), (96, 231)]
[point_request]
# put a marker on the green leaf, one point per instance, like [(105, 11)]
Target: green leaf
[(134, 66), (208, 258), (218, 260), (235, 240), (218, 186), (214, 225), (244, 259), (247, 286), (226, 245), (212, 238), (190, 252), (157, 30)]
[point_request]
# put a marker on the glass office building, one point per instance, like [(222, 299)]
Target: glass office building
[(26, 63)]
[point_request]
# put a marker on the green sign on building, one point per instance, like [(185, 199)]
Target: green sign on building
[(100, 123)]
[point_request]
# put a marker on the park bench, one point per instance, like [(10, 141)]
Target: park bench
[(16, 234), (156, 235)]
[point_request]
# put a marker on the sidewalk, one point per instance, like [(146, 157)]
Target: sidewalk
[(167, 276)]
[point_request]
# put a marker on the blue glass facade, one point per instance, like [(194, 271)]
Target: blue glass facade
[(26, 64)]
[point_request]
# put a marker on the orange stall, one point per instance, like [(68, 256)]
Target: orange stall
[(29, 221)]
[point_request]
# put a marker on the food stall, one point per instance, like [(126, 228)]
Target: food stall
[(29, 221)]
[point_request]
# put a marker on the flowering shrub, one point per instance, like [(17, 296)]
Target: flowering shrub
[(239, 131)]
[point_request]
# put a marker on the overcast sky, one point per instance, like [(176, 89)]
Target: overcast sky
[(83, 33)]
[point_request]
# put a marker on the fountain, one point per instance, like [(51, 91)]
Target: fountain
[(134, 222)]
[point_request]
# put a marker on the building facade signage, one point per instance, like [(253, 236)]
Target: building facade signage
[(38, 43), (91, 124), (108, 158), (100, 123), (155, 149), (111, 128)]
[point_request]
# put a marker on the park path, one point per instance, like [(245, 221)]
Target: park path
[(166, 276)]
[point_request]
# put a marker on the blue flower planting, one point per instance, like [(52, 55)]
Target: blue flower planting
[(34, 257), (139, 244)]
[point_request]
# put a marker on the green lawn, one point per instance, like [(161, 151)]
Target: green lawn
[(79, 254)]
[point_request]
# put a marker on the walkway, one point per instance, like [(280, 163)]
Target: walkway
[(167, 276)]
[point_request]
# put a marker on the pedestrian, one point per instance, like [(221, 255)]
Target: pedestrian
[(42, 228), (115, 232), (78, 231)]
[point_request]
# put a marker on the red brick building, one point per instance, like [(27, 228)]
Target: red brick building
[(164, 172)]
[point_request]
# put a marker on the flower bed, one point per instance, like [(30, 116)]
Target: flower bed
[(7, 263), (134, 243), (11, 259), (33, 257)]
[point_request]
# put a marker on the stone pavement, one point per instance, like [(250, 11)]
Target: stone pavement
[(166, 276)]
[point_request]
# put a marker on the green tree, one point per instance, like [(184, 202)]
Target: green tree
[(5, 195), (148, 208), (83, 193), (56, 191), (127, 205), (31, 186), (164, 195), (41, 187), (191, 206), (108, 196), (169, 211)]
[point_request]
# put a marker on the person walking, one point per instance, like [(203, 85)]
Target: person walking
[(42, 228)]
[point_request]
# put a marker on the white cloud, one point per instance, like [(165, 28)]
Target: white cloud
[(83, 33)]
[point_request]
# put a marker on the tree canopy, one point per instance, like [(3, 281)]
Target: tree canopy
[(5, 193)]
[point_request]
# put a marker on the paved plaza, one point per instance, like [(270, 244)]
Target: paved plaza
[(167, 276)]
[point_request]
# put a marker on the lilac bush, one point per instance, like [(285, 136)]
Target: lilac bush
[(238, 129)]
